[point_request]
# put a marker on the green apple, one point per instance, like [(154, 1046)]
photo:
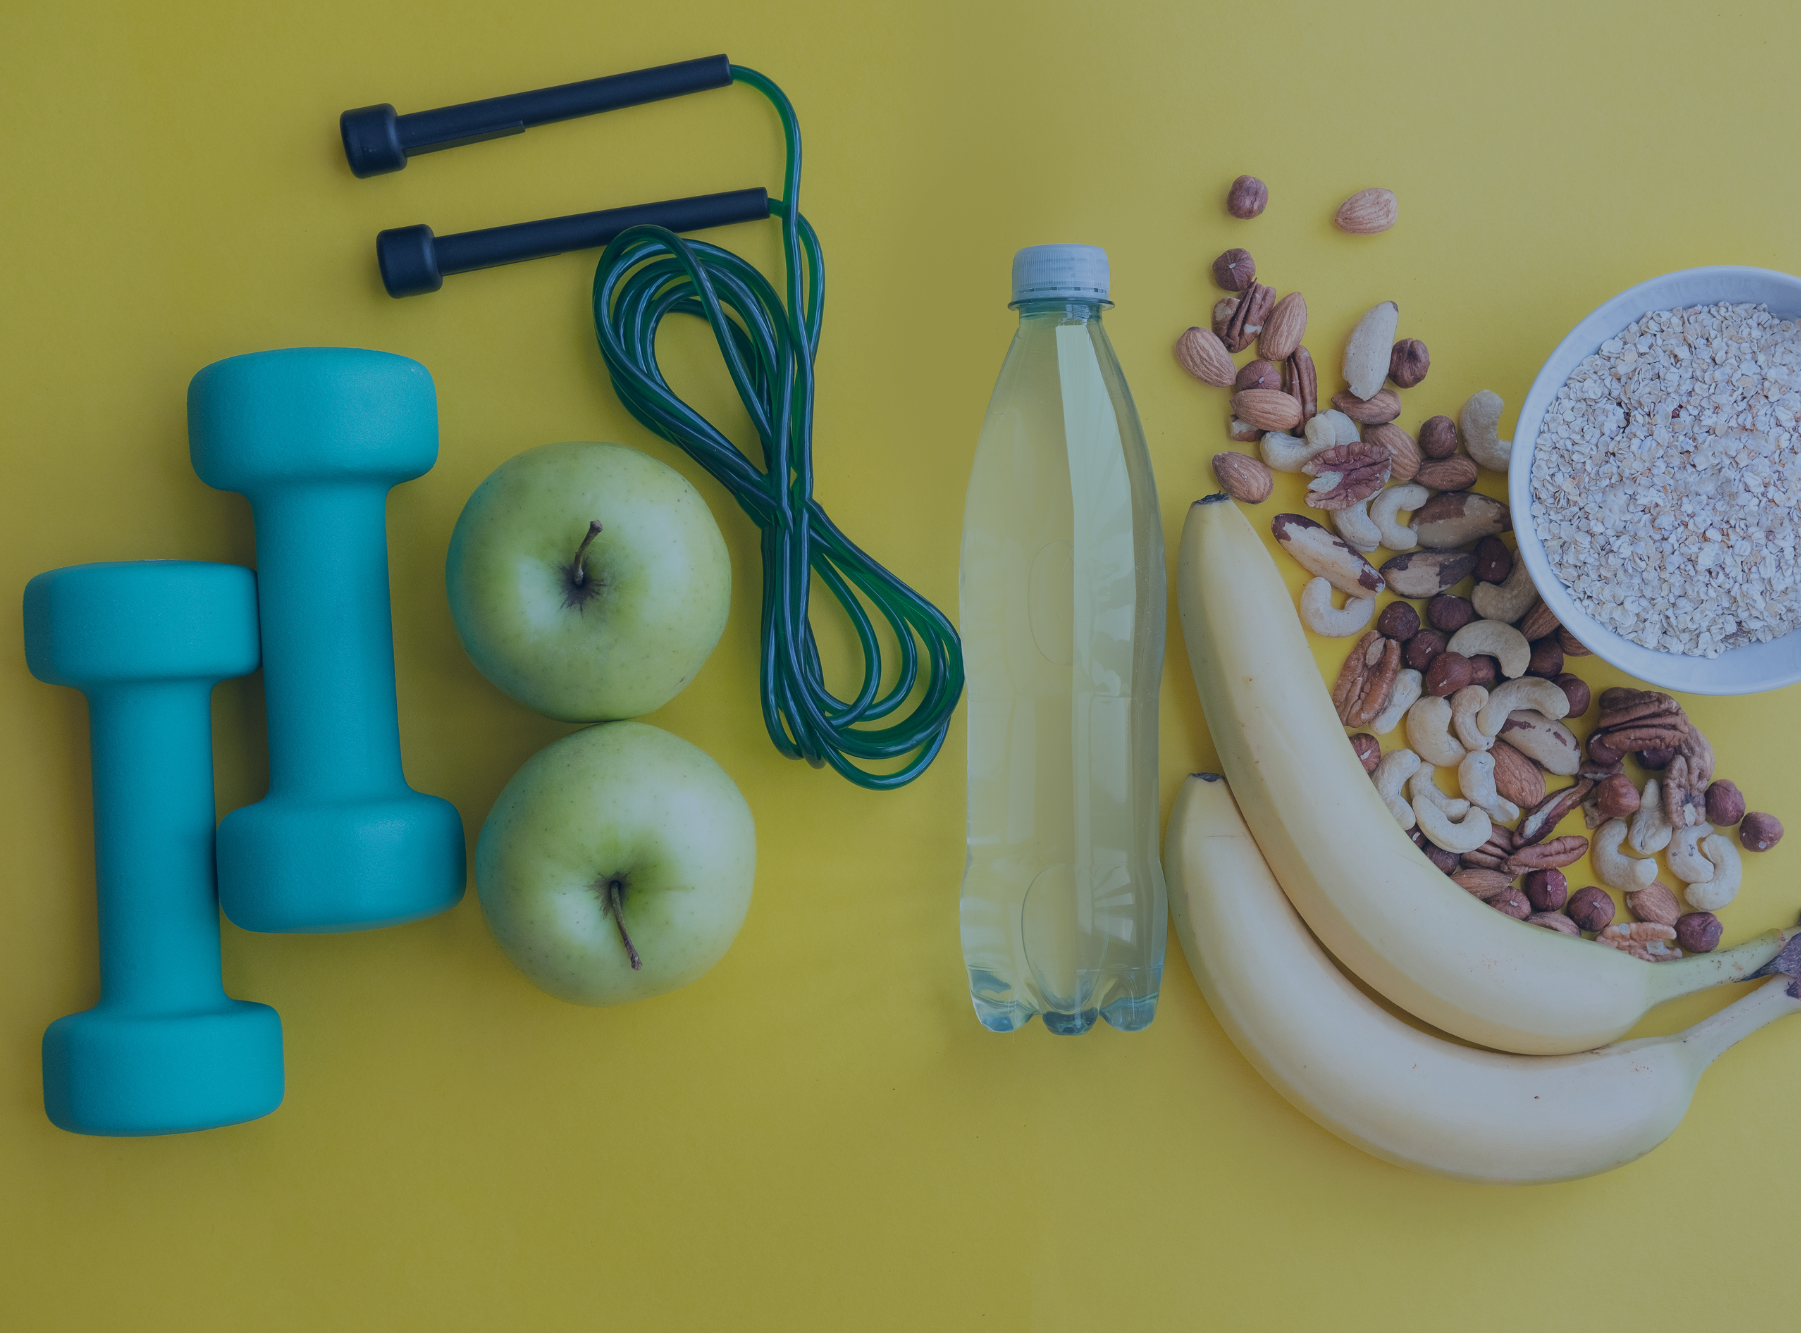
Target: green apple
[(617, 864), (588, 581)]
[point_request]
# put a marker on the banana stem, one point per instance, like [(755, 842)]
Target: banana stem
[(1699, 971), (1706, 1040)]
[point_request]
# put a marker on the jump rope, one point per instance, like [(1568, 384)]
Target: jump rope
[(647, 272)]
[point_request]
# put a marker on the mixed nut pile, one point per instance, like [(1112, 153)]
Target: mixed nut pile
[(1478, 683)]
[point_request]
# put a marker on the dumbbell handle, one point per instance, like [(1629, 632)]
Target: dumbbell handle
[(153, 861), (328, 642)]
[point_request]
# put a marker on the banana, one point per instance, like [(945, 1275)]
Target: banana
[(1421, 1102), (1370, 895)]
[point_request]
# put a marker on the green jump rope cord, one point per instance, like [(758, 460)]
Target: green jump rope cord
[(649, 272)]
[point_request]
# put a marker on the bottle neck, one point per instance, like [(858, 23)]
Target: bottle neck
[(1061, 310)]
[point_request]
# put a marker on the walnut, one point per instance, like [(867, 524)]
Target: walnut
[(1345, 474), (1686, 779), (1222, 316), (1646, 940)]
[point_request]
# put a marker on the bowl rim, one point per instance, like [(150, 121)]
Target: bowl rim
[(1762, 666)]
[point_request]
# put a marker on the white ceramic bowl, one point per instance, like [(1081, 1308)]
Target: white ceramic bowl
[(1747, 670)]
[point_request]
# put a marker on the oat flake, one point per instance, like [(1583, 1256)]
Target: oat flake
[(1667, 475)]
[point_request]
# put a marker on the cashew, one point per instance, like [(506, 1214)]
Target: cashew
[(1686, 861), (1453, 834), (1502, 642), (1548, 743), (1402, 695), (1476, 779), (1356, 526), (1329, 428), (1317, 613), (1618, 871), (1651, 828), (1428, 732), (1423, 786), (1386, 509), (1284, 452), (1509, 600), (1465, 705), (1535, 692), (1727, 870), (1390, 775), (1481, 422)]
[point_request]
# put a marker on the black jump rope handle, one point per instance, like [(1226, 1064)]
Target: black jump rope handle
[(413, 260)]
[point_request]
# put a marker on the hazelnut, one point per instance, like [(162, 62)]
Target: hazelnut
[(1616, 797), (1575, 689), (1222, 315), (1698, 932), (1447, 673), (1438, 437), (1450, 613), (1547, 890), (1449, 862), (1759, 833), (1654, 903), (1247, 197), (1511, 902), (1258, 375), (1658, 759), (1484, 670), (1234, 271), (1725, 804), (1547, 659), (1368, 749), (1591, 908), (1494, 562), (1408, 363), (1600, 751), (1398, 621), (1423, 647)]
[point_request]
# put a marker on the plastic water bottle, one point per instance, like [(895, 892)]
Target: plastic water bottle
[(1062, 607)]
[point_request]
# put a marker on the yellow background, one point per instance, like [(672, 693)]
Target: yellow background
[(817, 1135)]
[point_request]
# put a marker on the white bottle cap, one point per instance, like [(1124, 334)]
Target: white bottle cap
[(1050, 272)]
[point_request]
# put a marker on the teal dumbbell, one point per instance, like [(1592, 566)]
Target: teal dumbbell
[(315, 437), (165, 1050)]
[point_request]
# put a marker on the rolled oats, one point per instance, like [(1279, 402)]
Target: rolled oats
[(1666, 480)]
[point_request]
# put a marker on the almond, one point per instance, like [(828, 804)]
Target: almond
[(1456, 473), (1385, 405), (1283, 329), (1484, 884), (1243, 477), (1367, 212), (1266, 409), (1654, 903), (1539, 622), (1403, 453), (1204, 356)]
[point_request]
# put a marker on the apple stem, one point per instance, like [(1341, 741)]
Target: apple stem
[(616, 902), (578, 572)]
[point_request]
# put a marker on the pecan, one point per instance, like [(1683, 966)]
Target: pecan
[(1301, 381), (1246, 319), (1644, 940), (1366, 679), (1548, 813), (1493, 854), (1619, 705), (1552, 855), (1635, 720), (1686, 779), (1345, 474)]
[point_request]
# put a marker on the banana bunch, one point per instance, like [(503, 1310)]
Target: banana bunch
[(1385, 911), (1413, 1099)]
